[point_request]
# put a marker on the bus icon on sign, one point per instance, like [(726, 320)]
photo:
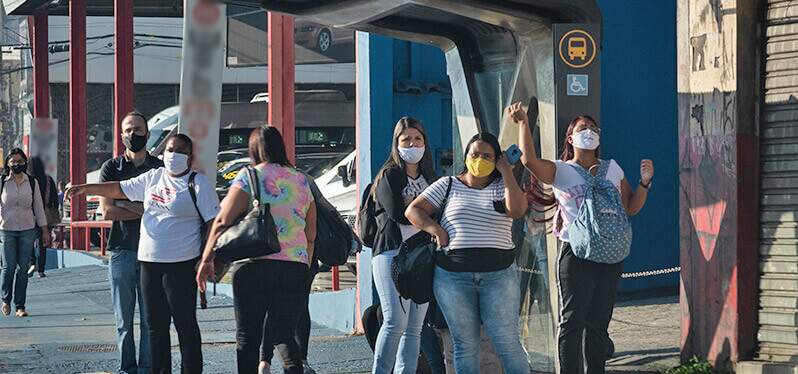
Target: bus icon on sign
[(577, 48)]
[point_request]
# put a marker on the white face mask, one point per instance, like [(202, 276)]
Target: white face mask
[(175, 163), (586, 139), (411, 155)]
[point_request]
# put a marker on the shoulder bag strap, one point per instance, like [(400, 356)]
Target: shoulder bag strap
[(446, 199), (254, 186), (193, 192)]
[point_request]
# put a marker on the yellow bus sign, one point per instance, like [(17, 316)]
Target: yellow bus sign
[(577, 49)]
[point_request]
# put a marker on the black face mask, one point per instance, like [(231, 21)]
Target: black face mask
[(135, 142), (17, 169)]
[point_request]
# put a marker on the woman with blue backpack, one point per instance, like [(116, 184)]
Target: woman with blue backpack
[(594, 200)]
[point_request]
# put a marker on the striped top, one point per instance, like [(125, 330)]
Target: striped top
[(470, 218)]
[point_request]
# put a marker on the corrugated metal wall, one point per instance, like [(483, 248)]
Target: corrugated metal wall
[(778, 315)]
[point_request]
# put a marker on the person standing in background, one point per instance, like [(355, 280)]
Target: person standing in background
[(124, 270), (51, 212), (21, 212)]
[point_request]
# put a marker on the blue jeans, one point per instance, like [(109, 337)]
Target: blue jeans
[(17, 248), (492, 299), (399, 339), (124, 273)]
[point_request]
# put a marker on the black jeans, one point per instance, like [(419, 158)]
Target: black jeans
[(269, 295), (302, 333), (170, 293), (587, 297)]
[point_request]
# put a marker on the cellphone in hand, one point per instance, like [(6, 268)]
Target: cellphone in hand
[(513, 154)]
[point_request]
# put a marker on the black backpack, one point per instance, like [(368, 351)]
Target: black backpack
[(335, 240), (413, 267), (367, 218)]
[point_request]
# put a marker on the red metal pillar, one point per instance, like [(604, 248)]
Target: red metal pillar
[(41, 69), (123, 68), (281, 78), (77, 113)]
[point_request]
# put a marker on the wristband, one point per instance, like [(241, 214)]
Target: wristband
[(646, 186)]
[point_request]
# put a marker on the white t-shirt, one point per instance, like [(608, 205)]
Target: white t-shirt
[(413, 189), (569, 190), (469, 217), (170, 226)]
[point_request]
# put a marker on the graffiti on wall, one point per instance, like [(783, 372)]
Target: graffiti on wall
[(706, 48)]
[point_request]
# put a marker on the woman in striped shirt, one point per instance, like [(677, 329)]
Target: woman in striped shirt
[(476, 281)]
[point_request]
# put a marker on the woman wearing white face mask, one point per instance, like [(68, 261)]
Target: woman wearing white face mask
[(169, 248), (406, 173), (587, 288)]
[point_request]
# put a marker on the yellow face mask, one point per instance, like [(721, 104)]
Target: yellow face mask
[(480, 167)]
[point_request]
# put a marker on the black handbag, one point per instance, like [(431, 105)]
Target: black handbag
[(254, 235), (413, 267)]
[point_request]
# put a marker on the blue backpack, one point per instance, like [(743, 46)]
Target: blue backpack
[(601, 231)]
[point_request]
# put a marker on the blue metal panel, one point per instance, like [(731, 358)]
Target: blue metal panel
[(639, 118)]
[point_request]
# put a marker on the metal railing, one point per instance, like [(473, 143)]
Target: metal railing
[(87, 226)]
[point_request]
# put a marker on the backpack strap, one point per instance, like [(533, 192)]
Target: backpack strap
[(601, 174), (32, 191)]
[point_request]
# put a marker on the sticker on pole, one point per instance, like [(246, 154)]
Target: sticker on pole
[(577, 84), (577, 49)]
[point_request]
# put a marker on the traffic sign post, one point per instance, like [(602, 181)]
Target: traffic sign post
[(577, 73)]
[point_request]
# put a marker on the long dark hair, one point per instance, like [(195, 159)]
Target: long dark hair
[(568, 148), (36, 171), (493, 142), (13, 152), (426, 167), (266, 145), (540, 198)]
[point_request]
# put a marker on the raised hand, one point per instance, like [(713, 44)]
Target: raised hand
[(78, 189), (646, 171), (517, 113)]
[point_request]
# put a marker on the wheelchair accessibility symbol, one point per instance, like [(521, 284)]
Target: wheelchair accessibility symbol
[(577, 85)]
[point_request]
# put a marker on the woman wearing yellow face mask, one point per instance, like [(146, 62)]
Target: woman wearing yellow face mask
[(476, 280)]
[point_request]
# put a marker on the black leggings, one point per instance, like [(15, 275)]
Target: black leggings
[(170, 293), (269, 295), (587, 297)]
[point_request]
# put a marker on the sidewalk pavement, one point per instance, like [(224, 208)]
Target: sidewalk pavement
[(71, 330)]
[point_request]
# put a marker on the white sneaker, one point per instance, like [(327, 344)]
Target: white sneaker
[(31, 270)]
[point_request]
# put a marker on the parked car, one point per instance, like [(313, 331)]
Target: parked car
[(320, 37)]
